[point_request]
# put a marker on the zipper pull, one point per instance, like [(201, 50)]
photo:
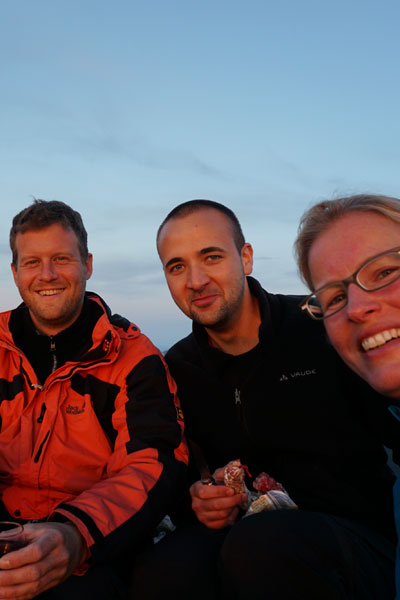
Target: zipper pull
[(42, 411), (237, 397), (53, 351), (36, 386)]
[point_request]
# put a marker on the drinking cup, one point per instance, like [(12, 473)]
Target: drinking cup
[(12, 537)]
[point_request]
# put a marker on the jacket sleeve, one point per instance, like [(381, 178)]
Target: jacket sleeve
[(145, 471)]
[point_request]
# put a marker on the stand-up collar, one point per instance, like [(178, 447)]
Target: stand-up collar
[(269, 311)]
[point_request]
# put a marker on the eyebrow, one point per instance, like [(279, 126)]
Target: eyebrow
[(203, 251)]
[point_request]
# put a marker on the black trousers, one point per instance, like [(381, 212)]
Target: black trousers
[(287, 554), (101, 582)]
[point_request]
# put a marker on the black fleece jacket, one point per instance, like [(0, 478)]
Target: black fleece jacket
[(292, 408)]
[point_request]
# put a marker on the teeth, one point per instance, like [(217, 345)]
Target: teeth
[(48, 292), (380, 339)]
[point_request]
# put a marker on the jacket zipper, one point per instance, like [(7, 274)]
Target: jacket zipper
[(53, 352), (238, 405)]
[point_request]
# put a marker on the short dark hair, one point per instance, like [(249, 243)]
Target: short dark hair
[(41, 214), (191, 206)]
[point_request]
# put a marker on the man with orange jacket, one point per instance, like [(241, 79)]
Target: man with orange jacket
[(91, 446)]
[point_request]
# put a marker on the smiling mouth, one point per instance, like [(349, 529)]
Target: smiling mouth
[(49, 292), (204, 300), (380, 339)]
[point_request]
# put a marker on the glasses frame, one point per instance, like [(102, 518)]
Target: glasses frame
[(311, 308)]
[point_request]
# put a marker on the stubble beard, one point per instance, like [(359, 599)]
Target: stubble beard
[(224, 315), (57, 318), (61, 319)]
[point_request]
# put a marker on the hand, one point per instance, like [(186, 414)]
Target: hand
[(53, 552), (216, 506)]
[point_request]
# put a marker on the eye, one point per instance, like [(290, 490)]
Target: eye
[(335, 300), (31, 262), (213, 257), (380, 271), (331, 299), (175, 268), (388, 272), (61, 259)]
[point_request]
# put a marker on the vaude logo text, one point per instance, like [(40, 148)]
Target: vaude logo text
[(294, 374)]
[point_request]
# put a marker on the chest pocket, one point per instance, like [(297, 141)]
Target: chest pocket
[(101, 395)]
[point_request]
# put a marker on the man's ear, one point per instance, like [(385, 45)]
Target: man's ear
[(246, 254), (14, 272), (89, 266)]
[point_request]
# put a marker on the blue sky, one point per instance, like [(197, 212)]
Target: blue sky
[(125, 109)]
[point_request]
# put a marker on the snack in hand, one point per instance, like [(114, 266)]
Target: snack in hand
[(234, 478), (269, 495)]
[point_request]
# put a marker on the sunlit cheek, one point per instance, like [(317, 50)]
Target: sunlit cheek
[(337, 332), (391, 294), (22, 282), (173, 288)]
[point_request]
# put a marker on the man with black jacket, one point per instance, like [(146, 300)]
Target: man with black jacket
[(260, 383)]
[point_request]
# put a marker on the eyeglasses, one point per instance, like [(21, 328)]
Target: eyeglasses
[(374, 274)]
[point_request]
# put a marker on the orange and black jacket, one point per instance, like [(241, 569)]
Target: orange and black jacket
[(99, 442)]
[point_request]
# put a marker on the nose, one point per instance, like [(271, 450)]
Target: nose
[(361, 304), (197, 277), (48, 271)]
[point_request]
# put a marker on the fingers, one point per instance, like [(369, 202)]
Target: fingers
[(219, 475), (205, 491), (53, 552), (28, 581), (218, 519), (215, 506)]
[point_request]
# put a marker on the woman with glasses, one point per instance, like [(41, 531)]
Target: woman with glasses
[(348, 253)]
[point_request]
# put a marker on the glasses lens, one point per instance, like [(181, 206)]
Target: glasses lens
[(380, 271), (330, 299)]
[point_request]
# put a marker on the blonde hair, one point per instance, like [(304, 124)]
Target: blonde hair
[(319, 217)]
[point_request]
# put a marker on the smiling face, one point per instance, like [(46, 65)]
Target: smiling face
[(205, 272), (51, 276), (366, 332)]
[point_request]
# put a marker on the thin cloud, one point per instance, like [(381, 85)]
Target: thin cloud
[(142, 152)]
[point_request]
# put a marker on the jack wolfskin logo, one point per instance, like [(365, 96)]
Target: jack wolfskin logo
[(75, 410), (294, 374), (106, 345)]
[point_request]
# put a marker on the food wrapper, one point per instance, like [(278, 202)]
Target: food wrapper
[(269, 495), (272, 500), (234, 478)]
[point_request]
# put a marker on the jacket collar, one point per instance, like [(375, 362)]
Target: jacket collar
[(88, 338)]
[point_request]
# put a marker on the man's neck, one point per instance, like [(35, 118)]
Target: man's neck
[(241, 334), (46, 354), (51, 330)]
